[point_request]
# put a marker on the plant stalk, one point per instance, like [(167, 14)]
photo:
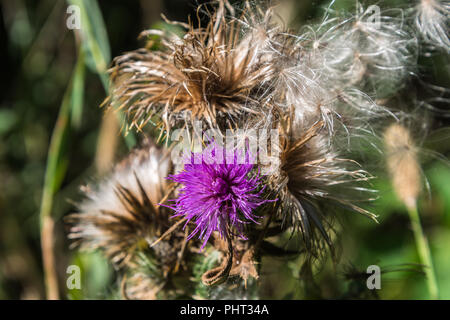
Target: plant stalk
[(424, 251)]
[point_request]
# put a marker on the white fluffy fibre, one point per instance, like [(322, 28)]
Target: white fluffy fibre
[(105, 220), (151, 171), (338, 70), (432, 21)]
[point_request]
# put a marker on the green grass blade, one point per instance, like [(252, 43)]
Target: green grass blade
[(94, 41), (78, 91), (56, 168)]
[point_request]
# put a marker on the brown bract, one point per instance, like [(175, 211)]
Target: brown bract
[(239, 260), (311, 176), (122, 216), (215, 74)]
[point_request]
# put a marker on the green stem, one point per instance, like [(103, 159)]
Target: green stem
[(424, 252), (54, 173)]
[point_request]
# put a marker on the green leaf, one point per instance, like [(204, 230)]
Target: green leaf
[(95, 44), (78, 91), (57, 161), (8, 119), (94, 38)]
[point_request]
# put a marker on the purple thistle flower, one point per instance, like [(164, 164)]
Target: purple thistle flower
[(218, 192)]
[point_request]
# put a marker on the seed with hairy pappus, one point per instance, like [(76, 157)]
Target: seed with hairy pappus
[(402, 164)]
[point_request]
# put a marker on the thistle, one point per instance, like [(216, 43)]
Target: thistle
[(403, 164), (218, 193), (322, 89), (120, 216), (211, 74), (311, 176)]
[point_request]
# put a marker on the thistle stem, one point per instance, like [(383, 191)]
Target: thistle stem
[(424, 251)]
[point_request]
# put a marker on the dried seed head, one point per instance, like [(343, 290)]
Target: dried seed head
[(402, 164), (120, 216), (312, 175), (214, 74), (337, 69)]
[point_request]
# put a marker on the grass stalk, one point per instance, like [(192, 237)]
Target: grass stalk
[(424, 251), (54, 174), (49, 190)]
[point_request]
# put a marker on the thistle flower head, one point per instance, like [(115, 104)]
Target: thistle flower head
[(119, 216), (372, 50), (310, 176), (218, 193), (212, 74), (339, 70), (140, 286)]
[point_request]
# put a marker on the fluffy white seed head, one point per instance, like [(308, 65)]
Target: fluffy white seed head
[(121, 213), (432, 21)]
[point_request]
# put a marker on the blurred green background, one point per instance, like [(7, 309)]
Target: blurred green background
[(51, 75)]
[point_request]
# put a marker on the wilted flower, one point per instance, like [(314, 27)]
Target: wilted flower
[(120, 216), (212, 74), (339, 70), (321, 90), (310, 176), (219, 193)]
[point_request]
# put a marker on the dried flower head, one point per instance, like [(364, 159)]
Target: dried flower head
[(321, 89), (339, 70), (372, 50), (402, 164), (310, 176), (213, 74), (219, 193), (120, 216)]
